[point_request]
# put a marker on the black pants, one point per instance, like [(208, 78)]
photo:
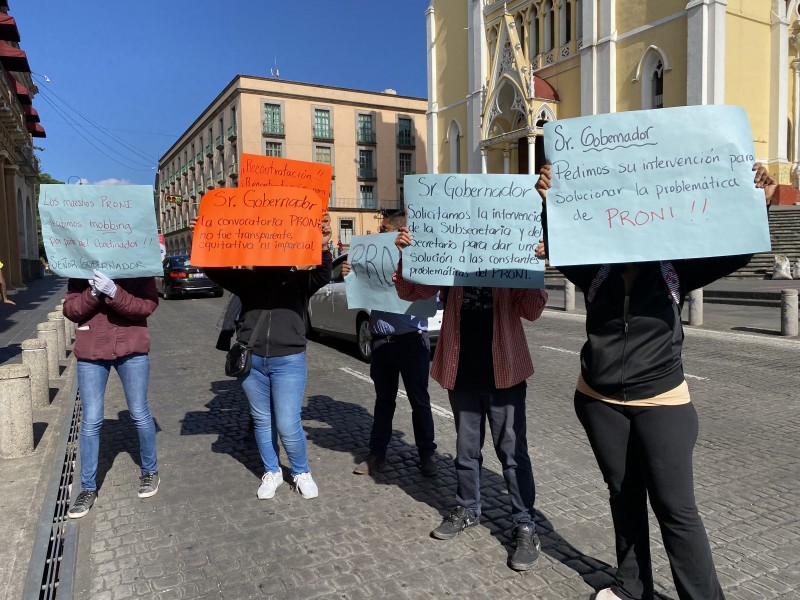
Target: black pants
[(505, 410), (409, 356), (647, 451)]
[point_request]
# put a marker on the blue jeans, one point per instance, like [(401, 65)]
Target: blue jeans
[(133, 371), (274, 388)]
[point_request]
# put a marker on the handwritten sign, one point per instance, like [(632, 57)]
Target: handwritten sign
[(369, 284), (270, 226), (653, 185), (269, 171), (111, 228), (478, 230)]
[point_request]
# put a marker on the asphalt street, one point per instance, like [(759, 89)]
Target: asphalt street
[(206, 535)]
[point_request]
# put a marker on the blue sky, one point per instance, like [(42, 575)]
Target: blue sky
[(143, 71)]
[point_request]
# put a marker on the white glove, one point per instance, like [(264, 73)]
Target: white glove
[(93, 286), (104, 285)]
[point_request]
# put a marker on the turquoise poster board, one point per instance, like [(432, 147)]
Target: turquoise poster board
[(111, 228), (653, 185), (373, 259), (475, 230)]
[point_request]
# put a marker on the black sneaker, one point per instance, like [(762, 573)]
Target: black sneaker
[(527, 546), (427, 464), (458, 520), (82, 504), (371, 464), (148, 484)]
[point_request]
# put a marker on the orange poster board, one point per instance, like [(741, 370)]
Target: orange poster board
[(268, 171), (268, 226)]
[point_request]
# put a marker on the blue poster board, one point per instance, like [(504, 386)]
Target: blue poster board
[(373, 259), (476, 230), (111, 228), (653, 185)]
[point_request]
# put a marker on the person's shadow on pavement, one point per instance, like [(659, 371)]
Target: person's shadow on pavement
[(118, 436), (228, 415), (348, 429)]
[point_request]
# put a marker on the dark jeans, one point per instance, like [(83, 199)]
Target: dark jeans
[(409, 356), (505, 410), (645, 451)]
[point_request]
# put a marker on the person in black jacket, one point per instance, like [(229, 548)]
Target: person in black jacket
[(278, 298), (633, 402)]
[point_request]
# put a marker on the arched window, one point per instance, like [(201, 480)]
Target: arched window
[(657, 86), (533, 36), (579, 19), (548, 26), (565, 23), (454, 138), (520, 25)]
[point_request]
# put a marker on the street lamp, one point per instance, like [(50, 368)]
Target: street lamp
[(80, 182)]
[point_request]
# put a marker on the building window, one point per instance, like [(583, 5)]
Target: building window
[(579, 19), (323, 154), (366, 196), (366, 134), (406, 162), (565, 22), (533, 36), (405, 132), (548, 26), (322, 124), (658, 86), (272, 119), (366, 169), (345, 230), (273, 149)]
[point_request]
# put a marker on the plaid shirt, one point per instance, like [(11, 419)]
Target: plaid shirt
[(512, 360)]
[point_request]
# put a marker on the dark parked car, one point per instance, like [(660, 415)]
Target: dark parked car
[(182, 278), (329, 315)]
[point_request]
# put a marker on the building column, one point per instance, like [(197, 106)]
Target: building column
[(606, 66), (5, 227), (779, 94), (476, 75), (532, 154), (589, 60), (705, 75), (14, 258), (796, 119), (432, 115), (483, 160), (506, 161)]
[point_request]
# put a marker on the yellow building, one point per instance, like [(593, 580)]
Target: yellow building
[(372, 139), (497, 71), (19, 168)]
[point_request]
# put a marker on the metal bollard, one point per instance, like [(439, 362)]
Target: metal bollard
[(16, 414), (58, 319), (34, 356), (789, 312), (695, 301), (569, 296), (48, 332)]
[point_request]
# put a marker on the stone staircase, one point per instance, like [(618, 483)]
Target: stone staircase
[(784, 230)]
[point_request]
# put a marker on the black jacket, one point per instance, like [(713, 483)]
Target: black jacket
[(640, 358), (283, 293)]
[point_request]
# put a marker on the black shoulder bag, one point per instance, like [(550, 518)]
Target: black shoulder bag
[(237, 361)]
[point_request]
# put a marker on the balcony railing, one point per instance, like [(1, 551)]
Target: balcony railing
[(191, 165), (323, 133), (221, 176), (359, 203), (406, 139), (185, 171), (403, 172), (365, 136), (273, 129), (367, 173), (199, 158), (209, 151), (220, 143), (210, 184), (232, 132), (368, 203), (233, 171)]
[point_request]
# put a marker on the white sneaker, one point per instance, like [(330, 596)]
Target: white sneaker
[(606, 594), (306, 486), (270, 482)]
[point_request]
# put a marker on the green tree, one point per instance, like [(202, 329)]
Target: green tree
[(43, 178)]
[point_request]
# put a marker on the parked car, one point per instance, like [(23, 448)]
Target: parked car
[(182, 278), (329, 315)]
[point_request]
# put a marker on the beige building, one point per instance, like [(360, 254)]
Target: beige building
[(498, 70), (19, 168), (371, 139)]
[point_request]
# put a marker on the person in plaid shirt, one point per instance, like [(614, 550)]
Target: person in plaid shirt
[(482, 360)]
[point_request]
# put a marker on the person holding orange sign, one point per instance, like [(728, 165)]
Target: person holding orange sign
[(277, 299)]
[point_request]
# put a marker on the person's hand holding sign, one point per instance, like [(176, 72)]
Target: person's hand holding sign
[(765, 181), (403, 239), (104, 284)]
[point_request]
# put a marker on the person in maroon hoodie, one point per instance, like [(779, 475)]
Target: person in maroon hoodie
[(112, 332)]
